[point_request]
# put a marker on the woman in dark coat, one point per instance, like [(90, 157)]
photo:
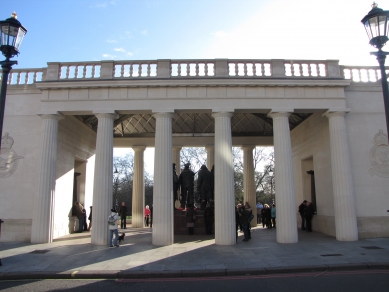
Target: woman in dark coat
[(190, 218)]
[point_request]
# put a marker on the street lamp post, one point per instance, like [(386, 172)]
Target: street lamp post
[(11, 35), (115, 198), (376, 23)]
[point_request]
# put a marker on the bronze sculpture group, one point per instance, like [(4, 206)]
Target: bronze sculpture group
[(185, 183)]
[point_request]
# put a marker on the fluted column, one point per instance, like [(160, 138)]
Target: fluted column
[(343, 188), (138, 187), (284, 179), (102, 187), (177, 159), (43, 217), (163, 221), (210, 156), (224, 181), (248, 181)]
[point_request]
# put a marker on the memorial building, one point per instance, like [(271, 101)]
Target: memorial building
[(326, 123)]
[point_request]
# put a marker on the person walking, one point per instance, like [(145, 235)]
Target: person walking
[(113, 228), (302, 207), (273, 215), (147, 215), (123, 215), (190, 217)]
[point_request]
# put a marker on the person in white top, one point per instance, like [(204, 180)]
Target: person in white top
[(113, 228)]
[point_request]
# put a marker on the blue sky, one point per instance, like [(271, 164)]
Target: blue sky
[(93, 30)]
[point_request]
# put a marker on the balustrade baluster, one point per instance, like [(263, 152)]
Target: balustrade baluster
[(254, 69), (84, 72), (93, 71), (131, 70), (206, 69), (244, 69), (187, 69), (17, 78), (140, 70), (76, 72), (197, 69), (300, 68), (359, 75), (178, 69), (148, 70), (121, 70), (263, 69), (309, 70), (34, 77), (236, 69), (67, 72), (292, 68), (317, 69)]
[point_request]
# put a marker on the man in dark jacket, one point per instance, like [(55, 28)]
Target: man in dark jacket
[(205, 186), (244, 219), (308, 212), (123, 215), (186, 180), (302, 206), (209, 217)]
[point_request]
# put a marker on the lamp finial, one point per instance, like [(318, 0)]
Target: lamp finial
[(374, 5), (14, 15)]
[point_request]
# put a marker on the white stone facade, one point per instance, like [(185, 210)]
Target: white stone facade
[(342, 142)]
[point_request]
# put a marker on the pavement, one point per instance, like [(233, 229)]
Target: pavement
[(74, 257)]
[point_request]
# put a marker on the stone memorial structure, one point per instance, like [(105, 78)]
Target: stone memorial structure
[(321, 118)]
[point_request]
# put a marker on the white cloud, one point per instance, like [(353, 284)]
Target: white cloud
[(120, 50), (144, 32), (109, 56)]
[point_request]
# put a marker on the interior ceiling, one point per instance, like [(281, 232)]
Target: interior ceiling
[(242, 124)]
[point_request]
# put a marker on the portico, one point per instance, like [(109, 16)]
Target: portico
[(217, 104)]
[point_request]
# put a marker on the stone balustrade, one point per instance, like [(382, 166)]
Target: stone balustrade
[(211, 68)]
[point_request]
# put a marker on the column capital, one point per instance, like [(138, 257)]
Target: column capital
[(279, 113), (222, 114), (248, 147), (336, 113), (139, 148), (163, 115), (52, 116), (107, 115)]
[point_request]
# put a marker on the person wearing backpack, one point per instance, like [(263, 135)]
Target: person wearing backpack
[(113, 228)]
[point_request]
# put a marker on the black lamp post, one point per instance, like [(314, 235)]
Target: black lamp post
[(11, 36), (376, 23), (116, 185)]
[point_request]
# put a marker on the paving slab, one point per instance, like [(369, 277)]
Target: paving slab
[(73, 256)]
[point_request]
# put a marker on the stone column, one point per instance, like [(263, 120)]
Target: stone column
[(177, 159), (210, 156), (343, 188), (163, 221), (138, 188), (284, 179), (248, 181), (224, 181), (103, 179), (43, 217)]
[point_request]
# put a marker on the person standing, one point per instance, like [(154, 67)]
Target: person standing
[(147, 215), (308, 212), (248, 208), (302, 207), (273, 215), (244, 220), (113, 228), (80, 216), (186, 180), (90, 219), (267, 216), (123, 215), (209, 217), (85, 224), (190, 218)]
